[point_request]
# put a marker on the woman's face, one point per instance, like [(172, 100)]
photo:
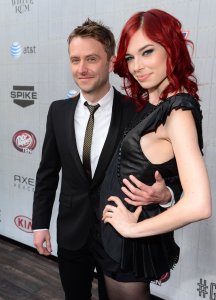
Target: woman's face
[(147, 62)]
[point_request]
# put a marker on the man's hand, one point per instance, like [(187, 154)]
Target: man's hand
[(139, 193), (42, 242)]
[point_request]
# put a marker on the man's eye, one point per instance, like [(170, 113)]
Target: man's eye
[(74, 61), (92, 59)]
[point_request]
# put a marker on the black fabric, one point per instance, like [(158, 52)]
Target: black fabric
[(76, 269), (118, 290), (148, 257)]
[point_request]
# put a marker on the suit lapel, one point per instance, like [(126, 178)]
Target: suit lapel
[(112, 139), (72, 137)]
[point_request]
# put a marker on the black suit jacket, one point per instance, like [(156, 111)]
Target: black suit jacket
[(78, 196)]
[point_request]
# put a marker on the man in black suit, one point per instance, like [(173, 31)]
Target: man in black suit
[(91, 50)]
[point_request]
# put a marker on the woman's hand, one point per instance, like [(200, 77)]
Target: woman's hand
[(120, 217)]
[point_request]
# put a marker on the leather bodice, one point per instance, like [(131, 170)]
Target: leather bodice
[(131, 159)]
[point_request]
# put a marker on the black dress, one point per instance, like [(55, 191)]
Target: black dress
[(148, 257)]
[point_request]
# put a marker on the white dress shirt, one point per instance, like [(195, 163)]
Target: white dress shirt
[(102, 119)]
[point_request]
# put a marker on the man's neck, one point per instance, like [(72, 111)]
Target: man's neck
[(94, 97)]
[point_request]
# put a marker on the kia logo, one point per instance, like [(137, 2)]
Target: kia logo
[(24, 141), (23, 223)]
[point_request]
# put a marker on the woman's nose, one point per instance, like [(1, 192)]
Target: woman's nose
[(138, 64)]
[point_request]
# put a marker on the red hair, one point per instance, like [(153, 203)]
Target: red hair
[(165, 30)]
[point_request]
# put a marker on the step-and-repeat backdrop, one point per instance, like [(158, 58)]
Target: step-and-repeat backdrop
[(34, 71)]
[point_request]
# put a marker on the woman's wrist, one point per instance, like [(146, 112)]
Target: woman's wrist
[(132, 230)]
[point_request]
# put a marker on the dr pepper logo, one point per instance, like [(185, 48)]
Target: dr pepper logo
[(23, 223), (24, 141)]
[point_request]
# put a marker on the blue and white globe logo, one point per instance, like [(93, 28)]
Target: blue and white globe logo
[(71, 93), (16, 50)]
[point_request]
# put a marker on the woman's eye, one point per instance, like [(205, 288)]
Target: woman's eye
[(147, 52), (128, 58)]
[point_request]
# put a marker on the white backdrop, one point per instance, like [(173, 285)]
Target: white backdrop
[(34, 71)]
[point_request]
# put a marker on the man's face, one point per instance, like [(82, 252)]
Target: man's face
[(90, 67)]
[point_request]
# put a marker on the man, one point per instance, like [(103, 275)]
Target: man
[(91, 51)]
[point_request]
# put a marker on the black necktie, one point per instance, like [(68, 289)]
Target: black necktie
[(88, 139)]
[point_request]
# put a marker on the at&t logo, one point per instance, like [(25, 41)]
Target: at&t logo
[(16, 50), (71, 93)]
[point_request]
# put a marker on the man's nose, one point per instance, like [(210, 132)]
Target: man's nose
[(82, 67)]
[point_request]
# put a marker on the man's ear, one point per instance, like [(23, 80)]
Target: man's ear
[(112, 62)]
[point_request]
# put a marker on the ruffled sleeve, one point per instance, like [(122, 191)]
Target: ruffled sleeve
[(180, 101)]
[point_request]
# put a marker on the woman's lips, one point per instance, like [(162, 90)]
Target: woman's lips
[(143, 77)]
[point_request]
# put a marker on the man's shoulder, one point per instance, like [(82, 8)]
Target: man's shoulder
[(125, 100), (65, 102)]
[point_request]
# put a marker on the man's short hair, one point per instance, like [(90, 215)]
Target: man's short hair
[(97, 31)]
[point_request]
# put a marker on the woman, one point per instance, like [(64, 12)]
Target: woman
[(154, 61)]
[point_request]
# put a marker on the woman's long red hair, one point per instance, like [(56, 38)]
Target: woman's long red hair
[(166, 30)]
